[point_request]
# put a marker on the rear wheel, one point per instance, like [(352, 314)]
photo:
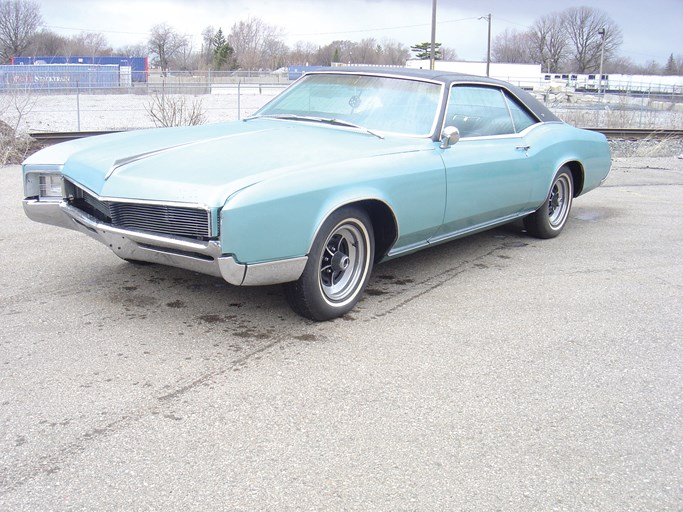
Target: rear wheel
[(550, 218), (338, 267)]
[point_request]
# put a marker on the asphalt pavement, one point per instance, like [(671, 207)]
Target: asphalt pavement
[(497, 372)]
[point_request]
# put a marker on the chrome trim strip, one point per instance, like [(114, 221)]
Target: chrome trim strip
[(152, 202), (455, 235), (479, 227)]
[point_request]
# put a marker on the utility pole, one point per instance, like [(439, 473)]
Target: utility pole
[(603, 33), (432, 58), (488, 48)]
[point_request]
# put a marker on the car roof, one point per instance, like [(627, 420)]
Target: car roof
[(447, 78), (425, 74)]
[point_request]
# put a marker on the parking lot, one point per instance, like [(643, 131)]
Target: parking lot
[(497, 372)]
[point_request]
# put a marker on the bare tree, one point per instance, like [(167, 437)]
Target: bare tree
[(15, 104), (394, 53), (208, 46), (512, 46), (255, 43), (164, 44), (651, 67), (366, 51), (46, 42), (549, 43), (133, 50), (448, 53), (19, 21), (173, 110), (336, 51), (303, 54), (88, 44), (274, 54), (678, 63), (583, 26), (185, 58), (621, 65)]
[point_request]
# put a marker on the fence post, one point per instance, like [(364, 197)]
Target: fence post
[(239, 99), (78, 106)]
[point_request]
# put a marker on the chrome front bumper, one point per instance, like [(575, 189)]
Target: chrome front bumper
[(197, 256)]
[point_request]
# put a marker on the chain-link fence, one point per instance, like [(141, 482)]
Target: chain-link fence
[(222, 96)]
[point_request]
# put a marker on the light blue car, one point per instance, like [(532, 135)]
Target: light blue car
[(346, 168)]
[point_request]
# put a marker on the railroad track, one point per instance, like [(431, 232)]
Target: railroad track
[(47, 138), (638, 134)]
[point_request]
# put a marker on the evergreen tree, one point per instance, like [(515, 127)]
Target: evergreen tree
[(222, 51), (423, 51), (671, 68)]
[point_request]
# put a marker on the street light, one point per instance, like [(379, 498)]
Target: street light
[(603, 33)]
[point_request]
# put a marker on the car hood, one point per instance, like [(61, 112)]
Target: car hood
[(206, 164)]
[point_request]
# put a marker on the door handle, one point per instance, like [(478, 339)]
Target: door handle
[(524, 148)]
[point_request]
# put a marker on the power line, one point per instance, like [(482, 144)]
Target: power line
[(379, 29), (356, 31), (95, 30)]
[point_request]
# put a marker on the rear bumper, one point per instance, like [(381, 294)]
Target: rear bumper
[(197, 256)]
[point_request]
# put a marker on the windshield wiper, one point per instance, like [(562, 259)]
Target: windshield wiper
[(339, 122), (326, 120), (293, 117)]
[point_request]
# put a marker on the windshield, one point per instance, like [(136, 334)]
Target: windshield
[(381, 104)]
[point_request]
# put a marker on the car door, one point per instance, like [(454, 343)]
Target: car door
[(489, 173)]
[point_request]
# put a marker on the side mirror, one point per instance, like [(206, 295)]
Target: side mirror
[(449, 136)]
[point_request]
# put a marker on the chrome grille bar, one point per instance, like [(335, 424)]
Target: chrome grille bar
[(182, 221), (168, 220)]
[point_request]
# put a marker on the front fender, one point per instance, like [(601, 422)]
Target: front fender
[(280, 217)]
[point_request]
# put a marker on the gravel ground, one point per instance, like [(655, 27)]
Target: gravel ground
[(647, 148)]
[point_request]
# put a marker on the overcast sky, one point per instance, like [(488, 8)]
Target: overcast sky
[(652, 30)]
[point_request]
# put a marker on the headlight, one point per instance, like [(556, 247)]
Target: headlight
[(44, 184), (51, 185)]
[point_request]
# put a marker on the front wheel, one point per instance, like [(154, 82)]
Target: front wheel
[(550, 218), (338, 267)]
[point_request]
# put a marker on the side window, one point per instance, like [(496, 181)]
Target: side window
[(480, 111), (520, 117)]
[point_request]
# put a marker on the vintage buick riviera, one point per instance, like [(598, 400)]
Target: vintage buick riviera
[(344, 169)]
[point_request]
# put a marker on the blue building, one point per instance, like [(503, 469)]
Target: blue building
[(139, 65)]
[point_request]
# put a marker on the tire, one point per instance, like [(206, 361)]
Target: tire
[(550, 218), (338, 268)]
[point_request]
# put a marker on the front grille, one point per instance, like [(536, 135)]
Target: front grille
[(183, 221), (167, 220)]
